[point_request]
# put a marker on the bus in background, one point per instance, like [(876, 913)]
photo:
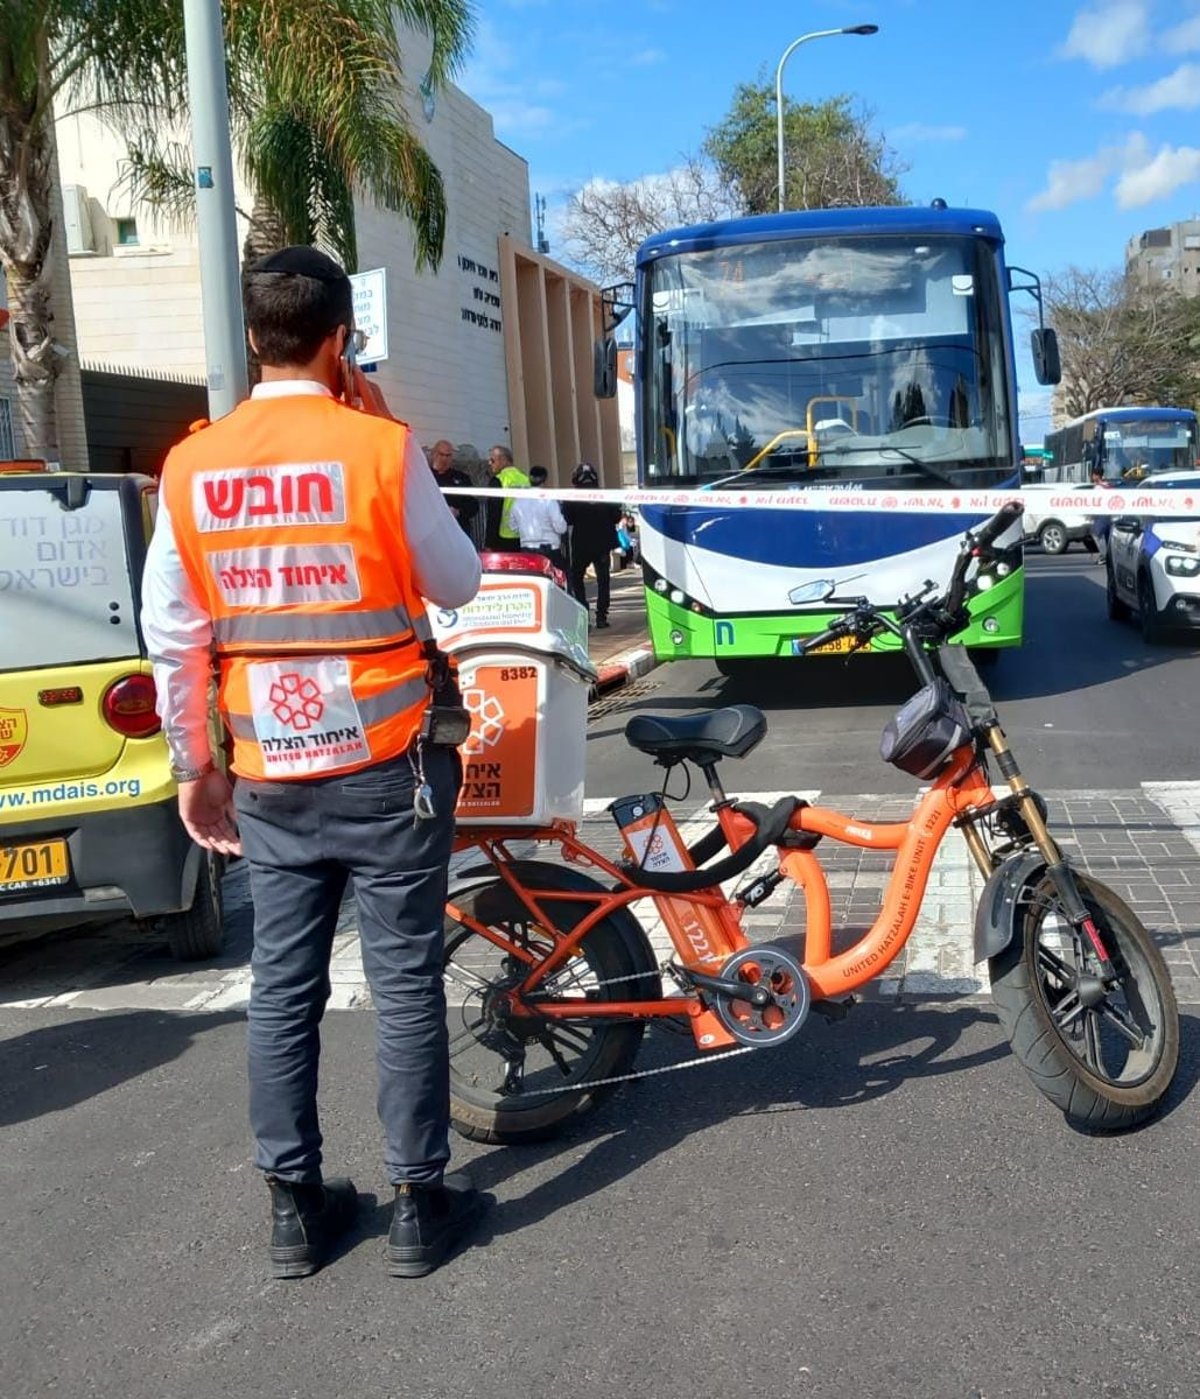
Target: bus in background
[(845, 350), (1127, 444)]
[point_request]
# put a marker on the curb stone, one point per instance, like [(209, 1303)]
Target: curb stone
[(618, 670)]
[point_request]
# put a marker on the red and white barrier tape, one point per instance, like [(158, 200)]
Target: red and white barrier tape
[(819, 498)]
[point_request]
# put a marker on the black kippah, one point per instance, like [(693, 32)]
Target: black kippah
[(300, 261)]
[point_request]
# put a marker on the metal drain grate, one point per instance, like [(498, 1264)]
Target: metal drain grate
[(619, 699)]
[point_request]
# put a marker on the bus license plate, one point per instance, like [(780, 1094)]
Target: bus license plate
[(843, 643), (34, 866)]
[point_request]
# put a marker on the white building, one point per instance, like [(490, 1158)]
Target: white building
[(489, 349)]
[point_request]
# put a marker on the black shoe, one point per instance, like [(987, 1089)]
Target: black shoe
[(602, 622), (306, 1221), (426, 1222)]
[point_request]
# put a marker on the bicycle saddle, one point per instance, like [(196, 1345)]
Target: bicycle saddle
[(698, 738)]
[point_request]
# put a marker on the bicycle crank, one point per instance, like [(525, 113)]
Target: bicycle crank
[(762, 995)]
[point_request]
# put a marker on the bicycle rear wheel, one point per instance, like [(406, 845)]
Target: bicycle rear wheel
[(524, 1079), (1104, 1057)]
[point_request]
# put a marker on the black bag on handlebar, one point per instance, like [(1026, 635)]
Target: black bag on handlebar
[(923, 735)]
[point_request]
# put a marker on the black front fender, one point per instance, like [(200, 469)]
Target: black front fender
[(996, 914)]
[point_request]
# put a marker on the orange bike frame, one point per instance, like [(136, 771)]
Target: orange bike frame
[(961, 788)]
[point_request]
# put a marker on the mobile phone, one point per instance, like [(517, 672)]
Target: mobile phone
[(356, 342)]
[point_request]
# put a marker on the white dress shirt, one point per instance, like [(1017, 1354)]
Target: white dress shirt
[(178, 631), (538, 522)]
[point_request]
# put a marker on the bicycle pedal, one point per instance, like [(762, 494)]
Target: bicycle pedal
[(834, 1010)]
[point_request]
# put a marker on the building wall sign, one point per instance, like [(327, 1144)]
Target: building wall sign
[(371, 313), (483, 311)]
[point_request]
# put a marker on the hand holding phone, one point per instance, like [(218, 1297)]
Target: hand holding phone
[(356, 342)]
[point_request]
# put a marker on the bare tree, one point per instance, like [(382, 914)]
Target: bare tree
[(1122, 342), (605, 223)]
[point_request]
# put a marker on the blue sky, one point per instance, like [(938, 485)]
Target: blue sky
[(1078, 124)]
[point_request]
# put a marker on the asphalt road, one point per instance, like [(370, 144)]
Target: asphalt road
[(883, 1207), (1086, 704)]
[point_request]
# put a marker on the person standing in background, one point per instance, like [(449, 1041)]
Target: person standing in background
[(539, 523), (593, 539), (500, 532), (464, 508)]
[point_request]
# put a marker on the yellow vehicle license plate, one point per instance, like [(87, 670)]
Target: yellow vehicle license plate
[(33, 866), (843, 643)]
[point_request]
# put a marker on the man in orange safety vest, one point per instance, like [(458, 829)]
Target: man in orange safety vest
[(297, 543)]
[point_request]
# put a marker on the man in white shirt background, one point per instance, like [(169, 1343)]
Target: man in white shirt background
[(539, 523)]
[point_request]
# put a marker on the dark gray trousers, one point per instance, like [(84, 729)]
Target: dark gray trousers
[(303, 842)]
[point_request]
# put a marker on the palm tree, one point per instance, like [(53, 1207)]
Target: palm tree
[(315, 99)]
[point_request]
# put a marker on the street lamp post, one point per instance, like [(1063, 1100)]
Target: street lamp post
[(787, 53), (216, 226)]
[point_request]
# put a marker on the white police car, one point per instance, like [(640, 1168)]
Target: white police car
[(1154, 565)]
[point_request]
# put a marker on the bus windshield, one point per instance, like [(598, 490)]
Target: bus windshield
[(1135, 447), (854, 360)]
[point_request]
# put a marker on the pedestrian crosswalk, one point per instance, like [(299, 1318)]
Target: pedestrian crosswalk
[(1143, 842)]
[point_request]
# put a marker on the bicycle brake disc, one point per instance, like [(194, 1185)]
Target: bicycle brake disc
[(765, 965)]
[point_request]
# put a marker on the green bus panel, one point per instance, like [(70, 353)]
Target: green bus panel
[(679, 634)]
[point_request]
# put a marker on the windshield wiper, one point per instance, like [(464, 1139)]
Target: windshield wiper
[(920, 462)]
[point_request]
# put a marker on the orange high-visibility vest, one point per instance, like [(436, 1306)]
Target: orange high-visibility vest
[(287, 514)]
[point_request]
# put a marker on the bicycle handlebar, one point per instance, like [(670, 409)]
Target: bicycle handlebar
[(987, 534), (941, 616)]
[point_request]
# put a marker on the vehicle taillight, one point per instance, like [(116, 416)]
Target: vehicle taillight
[(129, 706)]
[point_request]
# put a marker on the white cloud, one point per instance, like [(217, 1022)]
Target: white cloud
[(915, 131), (1071, 181), (1143, 175), (646, 58), (1109, 34), (1184, 38), (1171, 167), (1178, 91)]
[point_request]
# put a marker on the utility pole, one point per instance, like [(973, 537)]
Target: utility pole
[(216, 224)]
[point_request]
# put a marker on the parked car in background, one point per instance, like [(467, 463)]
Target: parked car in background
[(1153, 566), (1051, 527), (89, 825)]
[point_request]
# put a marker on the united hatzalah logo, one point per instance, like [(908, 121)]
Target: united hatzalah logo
[(296, 701), (487, 721)]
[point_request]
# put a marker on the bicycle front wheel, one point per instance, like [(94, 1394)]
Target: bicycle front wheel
[(524, 1079), (1105, 1057)]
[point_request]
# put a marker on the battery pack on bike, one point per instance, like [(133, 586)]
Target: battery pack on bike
[(653, 843)]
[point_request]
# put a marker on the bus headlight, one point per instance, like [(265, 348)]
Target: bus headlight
[(991, 626), (984, 581), (676, 596), (677, 638), (660, 585)]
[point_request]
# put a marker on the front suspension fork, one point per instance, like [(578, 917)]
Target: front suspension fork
[(1061, 874)]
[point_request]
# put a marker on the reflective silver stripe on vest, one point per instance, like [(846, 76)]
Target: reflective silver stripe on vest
[(372, 709), (264, 628), (422, 629)]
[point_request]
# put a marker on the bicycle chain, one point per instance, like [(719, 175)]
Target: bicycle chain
[(642, 1073)]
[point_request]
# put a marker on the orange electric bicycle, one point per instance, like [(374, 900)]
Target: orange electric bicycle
[(551, 980)]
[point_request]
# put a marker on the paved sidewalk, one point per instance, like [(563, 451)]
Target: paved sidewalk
[(1144, 843), (622, 651)]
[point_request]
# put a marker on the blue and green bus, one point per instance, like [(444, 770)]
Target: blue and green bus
[(845, 350)]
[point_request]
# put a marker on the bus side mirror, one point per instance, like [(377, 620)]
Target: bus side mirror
[(604, 368), (1047, 365)]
